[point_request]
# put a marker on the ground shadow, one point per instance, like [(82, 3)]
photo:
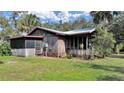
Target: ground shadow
[(117, 56), (108, 68), (110, 78), (102, 67)]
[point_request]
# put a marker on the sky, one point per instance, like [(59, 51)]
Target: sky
[(55, 16)]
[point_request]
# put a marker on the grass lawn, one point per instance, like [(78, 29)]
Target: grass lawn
[(39, 68)]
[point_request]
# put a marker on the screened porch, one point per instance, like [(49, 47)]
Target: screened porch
[(77, 45)]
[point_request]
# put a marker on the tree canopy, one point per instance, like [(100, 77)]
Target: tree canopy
[(106, 16), (26, 22)]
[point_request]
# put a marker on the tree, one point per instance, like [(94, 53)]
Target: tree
[(106, 16), (66, 26), (7, 34), (117, 28), (81, 23), (15, 15), (6, 29), (3, 23), (28, 21), (103, 42)]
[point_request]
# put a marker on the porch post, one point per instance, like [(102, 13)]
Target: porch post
[(69, 39), (77, 44), (74, 45), (26, 48), (69, 45), (83, 46), (66, 43), (86, 42), (87, 53)]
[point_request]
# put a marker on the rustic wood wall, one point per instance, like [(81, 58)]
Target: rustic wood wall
[(56, 44), (61, 47)]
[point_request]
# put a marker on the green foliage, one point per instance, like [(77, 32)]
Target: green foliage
[(117, 28), (106, 16), (3, 23), (80, 23), (15, 15), (7, 33), (6, 28), (103, 42), (69, 56), (5, 49), (27, 22)]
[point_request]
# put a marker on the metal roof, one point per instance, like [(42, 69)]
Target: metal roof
[(71, 32), (80, 31), (48, 30), (67, 33)]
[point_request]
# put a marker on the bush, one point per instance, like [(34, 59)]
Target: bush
[(69, 56), (119, 47), (5, 49)]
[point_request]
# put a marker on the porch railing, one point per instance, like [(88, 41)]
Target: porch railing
[(79, 52)]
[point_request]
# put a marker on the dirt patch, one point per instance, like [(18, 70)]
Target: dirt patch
[(11, 62)]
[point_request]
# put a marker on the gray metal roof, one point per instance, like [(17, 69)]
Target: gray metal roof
[(72, 32), (80, 31)]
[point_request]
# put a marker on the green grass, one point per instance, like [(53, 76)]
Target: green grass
[(39, 68)]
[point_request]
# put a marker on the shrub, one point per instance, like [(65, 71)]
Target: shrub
[(119, 47), (5, 49), (69, 56)]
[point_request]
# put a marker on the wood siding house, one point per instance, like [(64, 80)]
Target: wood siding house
[(58, 43)]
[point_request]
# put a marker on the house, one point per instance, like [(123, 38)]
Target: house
[(49, 42)]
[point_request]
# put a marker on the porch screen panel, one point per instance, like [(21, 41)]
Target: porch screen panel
[(71, 43), (84, 42), (30, 44), (80, 42), (38, 43), (75, 42), (17, 43)]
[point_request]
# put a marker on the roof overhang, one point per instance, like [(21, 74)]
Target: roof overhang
[(28, 37)]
